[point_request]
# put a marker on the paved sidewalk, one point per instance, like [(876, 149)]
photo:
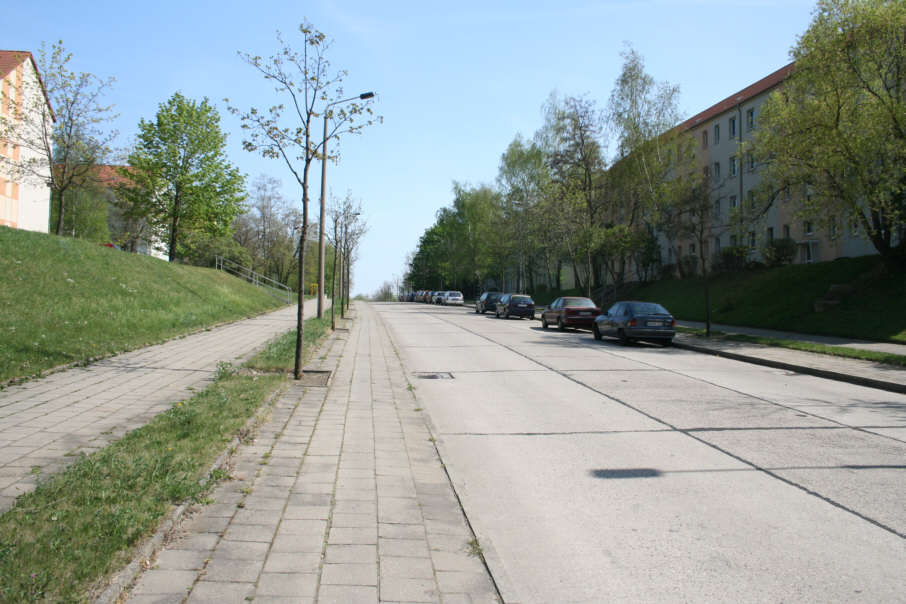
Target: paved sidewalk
[(46, 423), (341, 498), (889, 347), (854, 371)]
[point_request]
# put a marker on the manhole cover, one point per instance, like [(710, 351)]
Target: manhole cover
[(314, 378), (437, 375)]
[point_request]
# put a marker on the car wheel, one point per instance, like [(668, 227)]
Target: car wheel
[(497, 313), (622, 336), (595, 331), (560, 324), (543, 322)]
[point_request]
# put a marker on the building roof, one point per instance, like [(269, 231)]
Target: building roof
[(762, 85), (10, 59)]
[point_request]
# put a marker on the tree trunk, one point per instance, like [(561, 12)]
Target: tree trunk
[(60, 194), (174, 233)]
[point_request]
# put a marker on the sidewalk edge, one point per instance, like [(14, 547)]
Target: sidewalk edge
[(822, 373)]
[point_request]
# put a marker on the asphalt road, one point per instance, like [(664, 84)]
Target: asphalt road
[(593, 472)]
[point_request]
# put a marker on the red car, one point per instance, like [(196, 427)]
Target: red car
[(570, 312)]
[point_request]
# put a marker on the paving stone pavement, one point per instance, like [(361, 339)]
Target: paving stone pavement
[(46, 423), (341, 498)]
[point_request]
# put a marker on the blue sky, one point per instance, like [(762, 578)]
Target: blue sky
[(455, 82)]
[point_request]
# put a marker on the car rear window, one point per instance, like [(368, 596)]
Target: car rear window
[(648, 308), (524, 299), (577, 302)]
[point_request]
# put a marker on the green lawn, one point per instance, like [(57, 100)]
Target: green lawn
[(65, 300), (783, 298)]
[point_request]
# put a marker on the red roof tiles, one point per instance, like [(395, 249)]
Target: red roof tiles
[(762, 85)]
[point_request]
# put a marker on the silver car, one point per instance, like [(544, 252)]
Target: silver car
[(629, 321), (453, 298)]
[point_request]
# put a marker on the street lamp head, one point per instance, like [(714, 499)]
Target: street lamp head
[(366, 95)]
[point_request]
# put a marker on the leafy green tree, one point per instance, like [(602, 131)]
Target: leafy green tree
[(838, 124), (180, 178), (87, 216), (70, 138)]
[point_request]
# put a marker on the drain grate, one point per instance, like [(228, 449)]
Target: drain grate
[(434, 375), (312, 377)]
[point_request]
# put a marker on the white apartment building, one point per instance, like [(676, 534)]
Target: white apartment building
[(24, 196)]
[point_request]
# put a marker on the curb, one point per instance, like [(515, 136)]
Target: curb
[(822, 373)]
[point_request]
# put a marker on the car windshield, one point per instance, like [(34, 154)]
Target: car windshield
[(455, 294), (577, 302), (522, 299), (648, 308)]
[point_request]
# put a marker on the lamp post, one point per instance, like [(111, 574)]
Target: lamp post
[(362, 97)]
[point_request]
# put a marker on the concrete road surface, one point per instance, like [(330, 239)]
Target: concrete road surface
[(593, 472)]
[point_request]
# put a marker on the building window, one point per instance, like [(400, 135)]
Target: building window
[(786, 231), (717, 245), (751, 197), (750, 119), (716, 212), (733, 167), (752, 239), (750, 161), (732, 125), (691, 249), (716, 134), (807, 227), (715, 173), (704, 139), (706, 172), (770, 234), (732, 202)]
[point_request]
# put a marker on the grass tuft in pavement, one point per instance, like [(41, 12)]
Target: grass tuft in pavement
[(280, 353)]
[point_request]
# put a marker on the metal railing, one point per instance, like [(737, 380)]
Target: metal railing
[(278, 290)]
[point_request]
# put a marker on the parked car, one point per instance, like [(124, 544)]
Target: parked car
[(452, 298), (437, 297), (630, 321), (487, 301), (426, 296), (515, 305), (570, 312)]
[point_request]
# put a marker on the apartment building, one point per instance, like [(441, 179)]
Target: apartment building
[(24, 196), (723, 134)]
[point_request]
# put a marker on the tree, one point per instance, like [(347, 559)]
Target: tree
[(180, 179), (69, 138), (572, 140), (838, 124), (305, 79), (266, 229)]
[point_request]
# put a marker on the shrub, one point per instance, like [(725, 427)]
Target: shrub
[(732, 259), (779, 252)]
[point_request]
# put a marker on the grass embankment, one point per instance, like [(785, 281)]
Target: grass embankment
[(77, 527), (783, 298), (64, 301)]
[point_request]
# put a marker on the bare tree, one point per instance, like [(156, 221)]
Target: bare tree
[(308, 85)]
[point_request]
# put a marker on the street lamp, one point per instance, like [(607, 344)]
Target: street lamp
[(362, 97)]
